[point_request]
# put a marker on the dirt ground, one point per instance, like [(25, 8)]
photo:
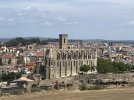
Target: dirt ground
[(109, 94)]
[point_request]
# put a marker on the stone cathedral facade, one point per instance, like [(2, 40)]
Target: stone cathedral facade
[(64, 61)]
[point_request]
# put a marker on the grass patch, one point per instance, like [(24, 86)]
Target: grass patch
[(94, 87)]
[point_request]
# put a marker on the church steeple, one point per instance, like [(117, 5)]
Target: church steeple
[(63, 41)]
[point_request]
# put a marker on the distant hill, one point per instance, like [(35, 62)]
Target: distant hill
[(5, 39), (41, 38), (23, 41), (70, 40)]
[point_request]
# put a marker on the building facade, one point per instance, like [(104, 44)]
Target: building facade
[(64, 61)]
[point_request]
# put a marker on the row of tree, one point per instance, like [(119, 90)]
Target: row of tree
[(85, 68), (10, 76), (107, 66), (23, 41)]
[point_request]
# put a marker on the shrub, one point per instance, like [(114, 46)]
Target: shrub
[(83, 87), (95, 87), (84, 68), (35, 89), (17, 92)]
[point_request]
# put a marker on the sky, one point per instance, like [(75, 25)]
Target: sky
[(81, 19)]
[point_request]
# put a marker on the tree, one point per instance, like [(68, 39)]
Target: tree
[(11, 76), (84, 68), (35, 69), (121, 67), (18, 75), (106, 66), (1, 61), (4, 77)]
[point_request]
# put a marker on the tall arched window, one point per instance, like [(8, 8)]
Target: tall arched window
[(64, 40)]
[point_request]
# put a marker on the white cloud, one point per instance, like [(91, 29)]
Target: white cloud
[(27, 8), (84, 14), (47, 23), (105, 1), (72, 23), (10, 19), (130, 22), (60, 19), (2, 18)]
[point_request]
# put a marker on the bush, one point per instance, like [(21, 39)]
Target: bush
[(95, 87), (17, 92), (43, 78), (69, 85), (83, 87), (84, 68), (56, 86), (35, 88)]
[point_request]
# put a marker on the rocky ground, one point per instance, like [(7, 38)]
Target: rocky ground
[(107, 94)]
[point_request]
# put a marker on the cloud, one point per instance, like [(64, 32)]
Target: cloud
[(47, 23), (105, 1), (27, 8), (2, 18), (83, 16), (10, 19), (131, 22), (60, 19), (72, 23)]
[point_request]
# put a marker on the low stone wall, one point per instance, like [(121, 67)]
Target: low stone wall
[(12, 90), (75, 81)]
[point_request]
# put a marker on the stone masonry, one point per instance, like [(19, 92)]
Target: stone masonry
[(64, 61)]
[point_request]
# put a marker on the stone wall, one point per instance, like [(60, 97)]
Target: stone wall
[(94, 78), (67, 62)]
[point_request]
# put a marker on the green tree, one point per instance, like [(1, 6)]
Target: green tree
[(104, 66), (84, 68), (1, 61), (121, 67), (35, 69), (4, 77), (11, 76), (18, 75)]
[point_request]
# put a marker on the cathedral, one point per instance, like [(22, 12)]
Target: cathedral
[(65, 61)]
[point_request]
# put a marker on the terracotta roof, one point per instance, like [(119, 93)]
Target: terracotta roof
[(40, 53), (7, 56), (31, 64), (24, 79)]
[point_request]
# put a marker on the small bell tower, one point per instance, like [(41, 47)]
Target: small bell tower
[(63, 41)]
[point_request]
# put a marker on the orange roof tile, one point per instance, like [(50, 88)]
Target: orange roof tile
[(7, 56)]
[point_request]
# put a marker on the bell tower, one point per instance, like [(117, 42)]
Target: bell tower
[(63, 41)]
